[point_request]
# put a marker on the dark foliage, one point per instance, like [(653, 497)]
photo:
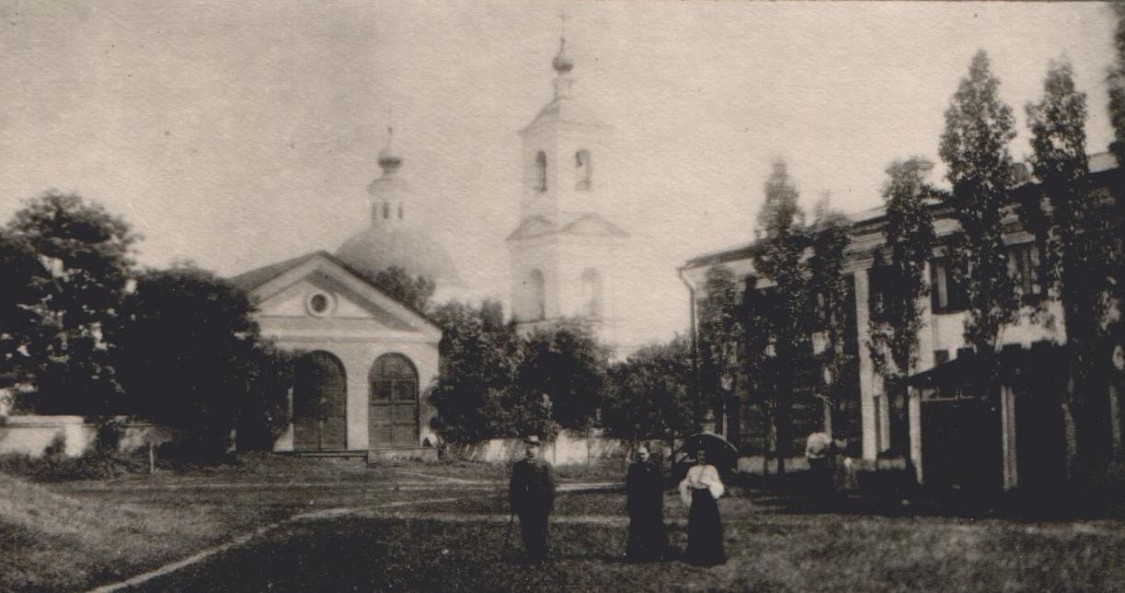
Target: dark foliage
[(648, 395), (190, 357), (84, 256)]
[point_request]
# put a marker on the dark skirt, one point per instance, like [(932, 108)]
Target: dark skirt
[(705, 531), (647, 538)]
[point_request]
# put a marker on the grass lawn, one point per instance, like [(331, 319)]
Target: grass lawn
[(438, 548), (72, 536)]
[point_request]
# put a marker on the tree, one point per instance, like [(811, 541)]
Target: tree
[(780, 259), (86, 256), (756, 315), (412, 291), (566, 364), (648, 394), (191, 357), (478, 365), (974, 147), (718, 343), (1075, 240), (20, 274), (828, 289), (896, 302), (1116, 80)]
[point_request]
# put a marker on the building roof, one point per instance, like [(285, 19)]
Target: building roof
[(253, 279), (1098, 164)]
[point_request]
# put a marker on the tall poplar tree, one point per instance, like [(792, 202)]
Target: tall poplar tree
[(1076, 247), (974, 147), (829, 287), (896, 318), (780, 259), (719, 339)]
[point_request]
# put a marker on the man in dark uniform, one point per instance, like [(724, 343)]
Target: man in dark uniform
[(532, 495), (644, 486)]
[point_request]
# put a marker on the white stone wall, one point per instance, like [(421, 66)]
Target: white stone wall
[(32, 435), (568, 448)]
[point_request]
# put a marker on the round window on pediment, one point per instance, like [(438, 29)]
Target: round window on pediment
[(320, 304)]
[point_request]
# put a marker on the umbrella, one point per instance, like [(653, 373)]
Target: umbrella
[(720, 452)]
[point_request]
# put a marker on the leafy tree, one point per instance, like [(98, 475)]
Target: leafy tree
[(896, 318), (478, 364), (20, 274), (828, 288), (191, 357), (412, 291), (86, 255), (648, 394), (1075, 241), (718, 343), (568, 365), (756, 314), (1116, 80), (780, 259), (974, 147)]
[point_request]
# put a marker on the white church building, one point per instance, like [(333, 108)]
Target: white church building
[(366, 359), (565, 253)]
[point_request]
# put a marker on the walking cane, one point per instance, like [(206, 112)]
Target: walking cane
[(508, 534)]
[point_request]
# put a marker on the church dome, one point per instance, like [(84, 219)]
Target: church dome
[(377, 249), (393, 239)]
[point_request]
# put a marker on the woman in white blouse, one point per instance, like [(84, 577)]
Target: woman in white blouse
[(701, 489)]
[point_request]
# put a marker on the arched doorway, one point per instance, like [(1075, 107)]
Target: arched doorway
[(319, 403), (393, 414)]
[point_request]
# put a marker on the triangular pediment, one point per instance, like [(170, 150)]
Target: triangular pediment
[(592, 224), (321, 291), (533, 226)]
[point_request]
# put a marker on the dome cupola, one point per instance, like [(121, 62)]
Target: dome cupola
[(562, 63), (389, 158)]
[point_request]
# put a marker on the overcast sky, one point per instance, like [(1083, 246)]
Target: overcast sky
[(237, 134)]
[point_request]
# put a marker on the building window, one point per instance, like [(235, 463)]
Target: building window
[(319, 304), (386, 210), (948, 292), (583, 170), (541, 172), (1023, 265), (880, 289), (592, 289), (537, 288)]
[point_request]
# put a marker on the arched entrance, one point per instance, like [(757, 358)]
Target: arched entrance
[(393, 413), (319, 397)]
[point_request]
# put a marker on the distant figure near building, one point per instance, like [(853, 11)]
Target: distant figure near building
[(702, 489), (532, 495), (644, 485), (818, 451)]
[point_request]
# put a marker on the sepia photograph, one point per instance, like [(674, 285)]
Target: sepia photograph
[(473, 296)]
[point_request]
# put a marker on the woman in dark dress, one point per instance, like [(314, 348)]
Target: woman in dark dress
[(644, 485), (701, 489)]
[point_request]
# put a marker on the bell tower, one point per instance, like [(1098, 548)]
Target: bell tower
[(565, 252)]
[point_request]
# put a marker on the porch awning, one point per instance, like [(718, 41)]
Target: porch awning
[(960, 371)]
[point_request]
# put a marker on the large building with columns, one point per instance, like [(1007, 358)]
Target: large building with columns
[(953, 435)]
